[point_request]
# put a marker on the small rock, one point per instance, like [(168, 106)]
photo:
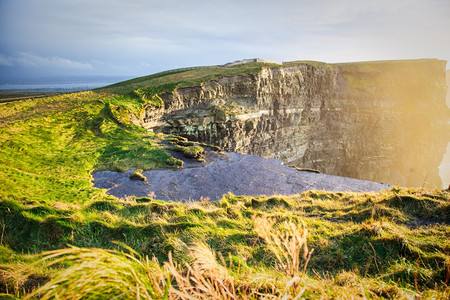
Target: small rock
[(137, 175)]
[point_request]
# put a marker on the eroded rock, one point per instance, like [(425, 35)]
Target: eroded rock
[(381, 121)]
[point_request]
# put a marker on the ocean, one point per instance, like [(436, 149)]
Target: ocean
[(58, 84)]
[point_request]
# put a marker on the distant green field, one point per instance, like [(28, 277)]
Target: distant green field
[(10, 96), (185, 77)]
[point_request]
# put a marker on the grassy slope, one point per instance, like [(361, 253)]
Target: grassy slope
[(178, 78), (50, 146), (388, 243), (385, 244)]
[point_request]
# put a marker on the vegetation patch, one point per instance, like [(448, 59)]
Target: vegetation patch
[(49, 147), (196, 151), (380, 254), (150, 96), (138, 175), (189, 149), (169, 81)]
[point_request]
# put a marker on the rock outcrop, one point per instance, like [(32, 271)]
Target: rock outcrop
[(381, 121), (222, 173)]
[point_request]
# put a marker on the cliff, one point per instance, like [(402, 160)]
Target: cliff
[(383, 121), (448, 88)]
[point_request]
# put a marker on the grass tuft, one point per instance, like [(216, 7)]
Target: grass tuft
[(138, 175), (288, 242), (99, 273)]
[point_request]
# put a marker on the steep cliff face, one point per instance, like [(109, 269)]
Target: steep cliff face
[(382, 121), (448, 88), (444, 169)]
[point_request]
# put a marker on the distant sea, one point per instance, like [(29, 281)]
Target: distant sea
[(53, 87), (58, 84)]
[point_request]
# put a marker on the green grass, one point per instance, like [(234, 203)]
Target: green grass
[(194, 151), (317, 64), (397, 239), (170, 80), (49, 147)]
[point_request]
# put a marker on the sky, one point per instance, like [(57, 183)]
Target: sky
[(44, 38)]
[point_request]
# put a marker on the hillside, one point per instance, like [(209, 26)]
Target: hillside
[(388, 244)]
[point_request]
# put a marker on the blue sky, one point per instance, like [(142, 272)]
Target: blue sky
[(135, 37)]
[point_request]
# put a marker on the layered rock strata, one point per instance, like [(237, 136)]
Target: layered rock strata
[(381, 121)]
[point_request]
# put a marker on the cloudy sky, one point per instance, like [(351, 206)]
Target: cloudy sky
[(135, 37)]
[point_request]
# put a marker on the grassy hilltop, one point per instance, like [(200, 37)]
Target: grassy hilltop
[(62, 238)]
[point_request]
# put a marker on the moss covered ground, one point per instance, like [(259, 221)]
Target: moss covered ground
[(391, 244)]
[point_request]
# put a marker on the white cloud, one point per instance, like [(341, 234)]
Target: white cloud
[(5, 61), (171, 33), (32, 60), (25, 59)]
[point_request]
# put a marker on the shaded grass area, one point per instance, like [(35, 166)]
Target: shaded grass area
[(374, 238)]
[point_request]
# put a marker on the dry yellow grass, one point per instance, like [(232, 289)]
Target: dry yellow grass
[(95, 273), (287, 242)]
